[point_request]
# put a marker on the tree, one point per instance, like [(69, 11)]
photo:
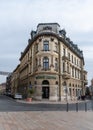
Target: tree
[(87, 93), (30, 92)]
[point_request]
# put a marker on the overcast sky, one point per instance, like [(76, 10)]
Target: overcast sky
[(19, 17)]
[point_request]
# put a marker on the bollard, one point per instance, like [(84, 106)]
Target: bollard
[(92, 104), (77, 107), (85, 106), (67, 106)]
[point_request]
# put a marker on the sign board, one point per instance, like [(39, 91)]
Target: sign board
[(45, 77), (4, 73)]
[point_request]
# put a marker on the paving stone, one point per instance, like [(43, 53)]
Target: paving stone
[(46, 120)]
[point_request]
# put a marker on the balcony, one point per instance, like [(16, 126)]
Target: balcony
[(85, 81), (45, 69), (65, 58), (66, 75)]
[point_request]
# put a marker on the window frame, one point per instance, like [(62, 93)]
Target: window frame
[(45, 62), (45, 45)]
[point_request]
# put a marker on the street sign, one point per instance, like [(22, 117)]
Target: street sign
[(4, 73)]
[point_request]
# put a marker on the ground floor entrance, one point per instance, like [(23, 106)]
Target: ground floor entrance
[(45, 92)]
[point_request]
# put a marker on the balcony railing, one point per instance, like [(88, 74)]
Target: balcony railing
[(85, 81), (65, 58), (45, 69), (66, 75)]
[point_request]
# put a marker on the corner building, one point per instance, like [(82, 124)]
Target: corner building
[(52, 64)]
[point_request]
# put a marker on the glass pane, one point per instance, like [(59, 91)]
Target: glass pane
[(46, 46)]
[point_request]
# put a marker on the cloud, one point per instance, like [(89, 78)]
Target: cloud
[(18, 18), (88, 52), (74, 14)]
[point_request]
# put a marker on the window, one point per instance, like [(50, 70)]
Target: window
[(35, 82), (69, 55), (56, 63), (56, 47), (36, 62), (75, 60), (72, 58), (56, 83), (75, 74), (63, 66), (36, 47), (46, 46), (70, 91), (68, 68), (64, 52), (72, 72), (45, 63)]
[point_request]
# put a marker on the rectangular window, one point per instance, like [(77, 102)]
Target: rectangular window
[(56, 63), (72, 72), (46, 45), (56, 47), (69, 55), (46, 63), (72, 58), (36, 47), (64, 52), (63, 67), (75, 60)]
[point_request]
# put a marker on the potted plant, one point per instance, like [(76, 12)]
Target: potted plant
[(30, 92)]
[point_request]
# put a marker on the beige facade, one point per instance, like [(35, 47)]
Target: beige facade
[(52, 64)]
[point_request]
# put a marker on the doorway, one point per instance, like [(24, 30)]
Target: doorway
[(45, 89), (45, 92)]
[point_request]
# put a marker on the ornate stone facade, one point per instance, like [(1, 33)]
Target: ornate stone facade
[(52, 64)]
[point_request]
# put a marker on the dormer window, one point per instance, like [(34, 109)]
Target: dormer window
[(47, 28), (46, 45)]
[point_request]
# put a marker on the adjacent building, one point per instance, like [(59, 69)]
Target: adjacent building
[(52, 64)]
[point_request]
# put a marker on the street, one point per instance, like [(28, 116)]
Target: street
[(42, 116), (9, 104)]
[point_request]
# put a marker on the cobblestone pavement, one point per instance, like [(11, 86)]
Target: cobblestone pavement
[(46, 120)]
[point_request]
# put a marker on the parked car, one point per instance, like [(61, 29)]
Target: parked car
[(8, 94), (17, 96)]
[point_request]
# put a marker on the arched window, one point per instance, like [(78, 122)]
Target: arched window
[(56, 83), (45, 82), (45, 63)]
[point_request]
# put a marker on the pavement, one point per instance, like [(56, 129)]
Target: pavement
[(54, 120), (51, 102)]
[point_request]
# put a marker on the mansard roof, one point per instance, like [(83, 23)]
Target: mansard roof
[(61, 36)]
